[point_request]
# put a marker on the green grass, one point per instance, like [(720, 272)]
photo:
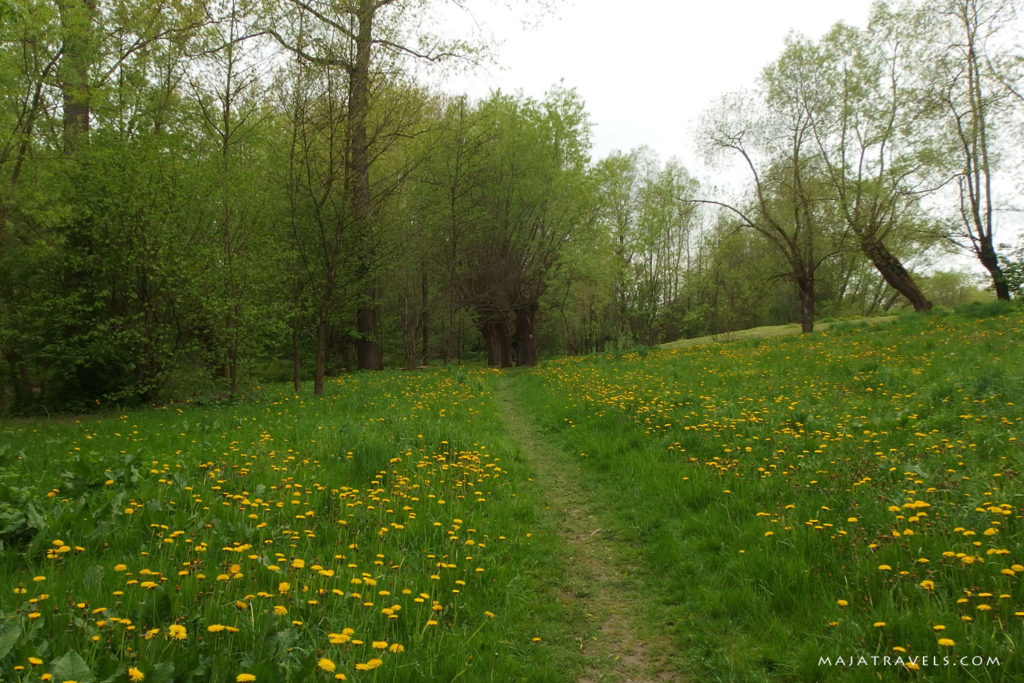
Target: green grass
[(756, 484), (387, 507), (765, 481), (771, 331)]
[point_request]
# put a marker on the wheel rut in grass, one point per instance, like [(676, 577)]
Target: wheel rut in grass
[(599, 580)]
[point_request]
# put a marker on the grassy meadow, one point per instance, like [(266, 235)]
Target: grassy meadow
[(849, 494), (372, 534)]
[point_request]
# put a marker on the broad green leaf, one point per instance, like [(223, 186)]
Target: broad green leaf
[(71, 667)]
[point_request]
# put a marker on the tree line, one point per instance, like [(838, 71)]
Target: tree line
[(197, 195)]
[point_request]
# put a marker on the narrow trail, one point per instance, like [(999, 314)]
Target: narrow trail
[(599, 580)]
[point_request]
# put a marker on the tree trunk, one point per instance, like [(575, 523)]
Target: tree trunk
[(805, 287), (525, 335), (497, 342), (369, 352), (321, 357), (988, 258), (894, 273), (424, 312), (296, 357), (77, 18)]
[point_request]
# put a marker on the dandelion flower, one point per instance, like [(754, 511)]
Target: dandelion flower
[(380, 645), (325, 664), (884, 568), (879, 624), (370, 665), (135, 674), (928, 585), (842, 603), (244, 678), (396, 648), (177, 632), (947, 642)]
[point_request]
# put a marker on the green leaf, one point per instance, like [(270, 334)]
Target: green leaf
[(9, 634), (71, 667), (35, 519), (161, 673)]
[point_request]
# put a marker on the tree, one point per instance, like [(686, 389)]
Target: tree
[(790, 207), (362, 38), (641, 205), (970, 76), (868, 130), (227, 90), (508, 187)]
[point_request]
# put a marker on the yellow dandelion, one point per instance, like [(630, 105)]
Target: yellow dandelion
[(884, 568), (244, 678), (177, 632), (842, 603), (928, 585), (380, 645), (135, 674), (947, 642), (396, 648), (325, 664), (879, 624)]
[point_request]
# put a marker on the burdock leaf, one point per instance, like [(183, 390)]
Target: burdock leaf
[(71, 667)]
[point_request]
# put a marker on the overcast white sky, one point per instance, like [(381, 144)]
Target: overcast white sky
[(646, 69)]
